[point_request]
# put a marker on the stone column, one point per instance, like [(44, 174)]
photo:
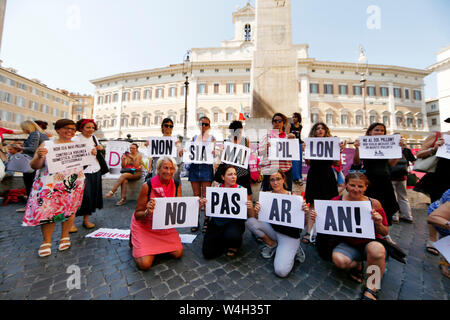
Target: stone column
[(393, 122), (423, 110), (119, 112), (192, 126)]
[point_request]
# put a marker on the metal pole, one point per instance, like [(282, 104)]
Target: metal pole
[(186, 86)]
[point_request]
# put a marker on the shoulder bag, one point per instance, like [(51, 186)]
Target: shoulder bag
[(104, 169)]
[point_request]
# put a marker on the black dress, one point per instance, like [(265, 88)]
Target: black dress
[(321, 183)]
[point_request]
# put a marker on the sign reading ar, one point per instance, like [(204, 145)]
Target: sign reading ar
[(281, 209), (226, 203)]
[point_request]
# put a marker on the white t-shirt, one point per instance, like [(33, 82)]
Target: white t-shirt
[(90, 142)]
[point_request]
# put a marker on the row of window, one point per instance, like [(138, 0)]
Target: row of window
[(9, 98), (345, 120), (14, 117), (371, 91)]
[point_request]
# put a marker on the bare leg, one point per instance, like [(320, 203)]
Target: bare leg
[(376, 256), (144, 263), (196, 189)]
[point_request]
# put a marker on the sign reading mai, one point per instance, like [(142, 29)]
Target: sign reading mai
[(236, 154)]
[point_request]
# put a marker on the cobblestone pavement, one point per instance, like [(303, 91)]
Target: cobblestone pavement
[(109, 272)]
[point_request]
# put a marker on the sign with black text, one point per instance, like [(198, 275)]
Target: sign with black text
[(281, 209), (63, 156), (322, 148), (380, 147), (345, 218), (236, 154), (198, 152), (162, 146), (284, 149), (226, 203), (179, 212), (444, 150)]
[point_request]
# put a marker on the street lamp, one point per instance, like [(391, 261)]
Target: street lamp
[(186, 71), (365, 66)]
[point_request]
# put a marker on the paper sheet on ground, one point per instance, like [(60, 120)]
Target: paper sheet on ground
[(443, 246), (116, 234)]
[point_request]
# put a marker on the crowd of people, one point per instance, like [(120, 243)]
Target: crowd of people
[(63, 196)]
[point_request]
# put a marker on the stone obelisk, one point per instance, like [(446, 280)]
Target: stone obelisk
[(274, 67)]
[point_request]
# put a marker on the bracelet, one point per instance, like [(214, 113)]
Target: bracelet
[(146, 212)]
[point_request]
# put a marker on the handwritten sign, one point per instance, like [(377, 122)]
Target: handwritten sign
[(162, 146), (322, 148), (380, 147), (114, 152), (63, 156), (444, 150), (236, 154), (284, 149), (199, 152), (345, 218), (281, 209), (175, 213), (226, 203)]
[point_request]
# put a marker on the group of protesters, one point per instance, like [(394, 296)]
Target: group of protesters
[(62, 196)]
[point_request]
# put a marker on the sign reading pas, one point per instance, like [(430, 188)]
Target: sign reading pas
[(236, 154), (181, 212), (162, 146), (322, 149), (226, 203), (281, 209)]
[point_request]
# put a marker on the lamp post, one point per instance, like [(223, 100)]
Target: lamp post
[(363, 60), (186, 72)]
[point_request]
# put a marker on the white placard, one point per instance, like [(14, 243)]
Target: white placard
[(345, 218), (236, 154), (380, 147), (162, 146), (198, 152), (226, 203), (443, 246), (114, 152), (281, 209), (444, 150), (105, 233), (322, 148), (181, 212), (284, 149), (64, 156)]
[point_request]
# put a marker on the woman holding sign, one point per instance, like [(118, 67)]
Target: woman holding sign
[(378, 171), (350, 253), (146, 243), (54, 197), (283, 241)]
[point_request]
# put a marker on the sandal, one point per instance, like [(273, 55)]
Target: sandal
[(45, 252), (356, 274), (431, 249), (444, 266), (89, 225), (63, 246), (195, 229), (231, 252), (73, 229), (205, 225), (121, 202), (305, 238), (109, 195), (373, 293)]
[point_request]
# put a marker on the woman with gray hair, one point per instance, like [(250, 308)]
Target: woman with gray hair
[(145, 242)]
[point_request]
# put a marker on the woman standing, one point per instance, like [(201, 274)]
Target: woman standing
[(133, 162), (296, 129), (378, 171), (92, 197), (202, 175), (321, 183), (54, 197)]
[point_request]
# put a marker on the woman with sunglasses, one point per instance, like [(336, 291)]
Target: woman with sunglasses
[(202, 175), (279, 122), (54, 197)]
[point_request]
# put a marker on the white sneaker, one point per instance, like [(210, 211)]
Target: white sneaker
[(267, 252), (300, 256)]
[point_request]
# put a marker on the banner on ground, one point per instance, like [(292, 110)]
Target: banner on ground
[(284, 149), (162, 146), (63, 156), (380, 147), (114, 152), (281, 209), (322, 148), (198, 152), (345, 218), (116, 234), (236, 154), (226, 203), (179, 212), (444, 151)]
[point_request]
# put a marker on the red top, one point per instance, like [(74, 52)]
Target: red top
[(357, 241), (3, 130)]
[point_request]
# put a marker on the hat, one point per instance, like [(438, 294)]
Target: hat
[(447, 120)]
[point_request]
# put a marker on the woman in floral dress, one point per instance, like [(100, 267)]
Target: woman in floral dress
[(54, 197)]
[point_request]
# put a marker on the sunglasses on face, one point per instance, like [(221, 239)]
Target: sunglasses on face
[(168, 126), (205, 124), (277, 121)]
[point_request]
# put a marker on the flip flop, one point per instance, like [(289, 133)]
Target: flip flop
[(109, 195), (231, 252), (431, 249), (121, 202)]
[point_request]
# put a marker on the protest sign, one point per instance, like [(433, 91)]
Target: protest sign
[(322, 148), (380, 147), (443, 246), (345, 218), (179, 212), (116, 234), (114, 152), (444, 150), (284, 149), (162, 146), (281, 209), (198, 152), (226, 203), (236, 154), (64, 156)]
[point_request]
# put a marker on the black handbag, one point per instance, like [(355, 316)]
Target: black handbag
[(104, 169)]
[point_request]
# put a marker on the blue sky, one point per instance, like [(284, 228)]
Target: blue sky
[(66, 43)]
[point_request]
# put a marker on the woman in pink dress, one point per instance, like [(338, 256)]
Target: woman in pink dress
[(146, 243)]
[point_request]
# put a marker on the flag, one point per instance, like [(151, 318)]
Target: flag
[(241, 114)]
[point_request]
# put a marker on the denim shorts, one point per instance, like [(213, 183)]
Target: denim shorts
[(354, 253), (201, 173)]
